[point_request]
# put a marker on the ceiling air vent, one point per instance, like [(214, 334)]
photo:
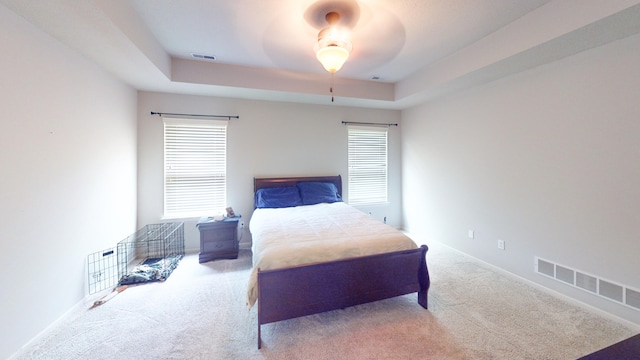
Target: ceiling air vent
[(203, 57)]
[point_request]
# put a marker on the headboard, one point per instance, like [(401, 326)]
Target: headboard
[(261, 183)]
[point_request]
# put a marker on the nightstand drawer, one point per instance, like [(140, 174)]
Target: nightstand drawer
[(219, 246), (222, 234)]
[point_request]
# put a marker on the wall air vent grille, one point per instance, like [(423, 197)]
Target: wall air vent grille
[(592, 284), (546, 268), (565, 274), (587, 282), (633, 298), (611, 291)]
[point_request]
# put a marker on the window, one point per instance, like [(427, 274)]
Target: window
[(195, 167), (367, 165)]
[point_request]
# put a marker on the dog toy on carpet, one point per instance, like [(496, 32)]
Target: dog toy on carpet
[(109, 296)]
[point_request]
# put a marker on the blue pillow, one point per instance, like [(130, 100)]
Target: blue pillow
[(318, 192), (278, 197)]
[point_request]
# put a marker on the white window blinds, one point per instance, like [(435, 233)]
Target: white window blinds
[(367, 165), (195, 167)]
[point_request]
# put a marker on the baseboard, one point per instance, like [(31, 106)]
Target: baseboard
[(84, 302), (191, 251), (557, 294)]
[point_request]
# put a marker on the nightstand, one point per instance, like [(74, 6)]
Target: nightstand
[(218, 239)]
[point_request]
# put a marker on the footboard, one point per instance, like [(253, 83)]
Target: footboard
[(310, 289)]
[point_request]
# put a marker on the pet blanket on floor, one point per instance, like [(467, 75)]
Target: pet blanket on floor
[(153, 269)]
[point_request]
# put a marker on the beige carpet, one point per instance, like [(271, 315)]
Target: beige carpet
[(475, 312)]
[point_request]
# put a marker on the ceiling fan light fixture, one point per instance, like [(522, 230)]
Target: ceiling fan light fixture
[(333, 47), (332, 57)]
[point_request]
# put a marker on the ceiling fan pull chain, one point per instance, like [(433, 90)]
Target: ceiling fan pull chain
[(331, 87)]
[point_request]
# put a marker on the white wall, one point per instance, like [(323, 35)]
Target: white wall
[(270, 139), (547, 160), (68, 181)]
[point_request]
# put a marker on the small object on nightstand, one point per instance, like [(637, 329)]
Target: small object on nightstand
[(218, 239)]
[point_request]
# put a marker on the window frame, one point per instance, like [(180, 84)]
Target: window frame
[(194, 167), (368, 164)]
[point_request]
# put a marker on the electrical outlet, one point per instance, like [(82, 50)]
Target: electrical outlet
[(470, 234), (501, 244)]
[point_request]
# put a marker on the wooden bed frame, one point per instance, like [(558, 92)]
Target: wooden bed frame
[(310, 289)]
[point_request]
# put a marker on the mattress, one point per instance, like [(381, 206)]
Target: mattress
[(311, 234)]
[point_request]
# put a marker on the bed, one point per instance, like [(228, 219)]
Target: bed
[(313, 253)]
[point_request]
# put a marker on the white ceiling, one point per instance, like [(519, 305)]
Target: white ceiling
[(264, 48)]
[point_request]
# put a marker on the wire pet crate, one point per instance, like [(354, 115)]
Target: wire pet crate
[(151, 254), (102, 270)]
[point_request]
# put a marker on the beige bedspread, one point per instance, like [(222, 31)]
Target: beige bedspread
[(316, 233)]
